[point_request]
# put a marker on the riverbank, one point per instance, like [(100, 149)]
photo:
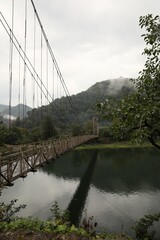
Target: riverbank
[(121, 163), (29, 229), (118, 145)]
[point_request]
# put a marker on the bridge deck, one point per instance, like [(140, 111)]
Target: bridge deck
[(28, 157)]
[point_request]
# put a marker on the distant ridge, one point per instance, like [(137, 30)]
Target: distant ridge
[(3, 107), (112, 87), (15, 111), (84, 102)]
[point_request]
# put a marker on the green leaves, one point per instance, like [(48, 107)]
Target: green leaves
[(48, 129), (143, 225), (137, 116), (3, 133), (8, 211)]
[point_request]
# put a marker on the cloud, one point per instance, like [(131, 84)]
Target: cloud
[(41, 196), (92, 40), (120, 208)]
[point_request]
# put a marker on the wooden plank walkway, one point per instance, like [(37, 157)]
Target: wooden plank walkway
[(28, 157)]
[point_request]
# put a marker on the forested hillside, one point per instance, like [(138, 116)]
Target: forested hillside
[(16, 111), (84, 102), (57, 119)]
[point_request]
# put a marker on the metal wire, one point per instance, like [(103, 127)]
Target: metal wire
[(11, 64)]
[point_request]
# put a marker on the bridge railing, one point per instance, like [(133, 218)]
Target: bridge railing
[(28, 157)]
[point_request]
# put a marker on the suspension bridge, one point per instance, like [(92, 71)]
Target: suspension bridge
[(29, 67)]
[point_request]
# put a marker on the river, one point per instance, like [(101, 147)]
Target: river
[(117, 187)]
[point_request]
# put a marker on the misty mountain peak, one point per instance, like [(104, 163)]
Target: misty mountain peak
[(111, 87)]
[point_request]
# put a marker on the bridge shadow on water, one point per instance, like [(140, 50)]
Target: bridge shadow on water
[(76, 206)]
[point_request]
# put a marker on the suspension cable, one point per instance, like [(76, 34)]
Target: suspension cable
[(28, 65), (19, 86), (57, 86), (41, 70), (53, 83), (54, 62), (24, 57), (11, 64), (56, 65), (47, 74), (37, 91), (24, 72), (53, 70), (34, 63)]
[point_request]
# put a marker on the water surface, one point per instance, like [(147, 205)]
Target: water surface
[(117, 187)]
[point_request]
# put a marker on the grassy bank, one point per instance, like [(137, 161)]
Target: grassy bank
[(30, 229), (119, 145), (57, 227)]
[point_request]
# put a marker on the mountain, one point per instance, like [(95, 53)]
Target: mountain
[(112, 88), (84, 102), (15, 111), (3, 107)]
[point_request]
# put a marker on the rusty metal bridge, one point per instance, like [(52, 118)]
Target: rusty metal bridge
[(33, 78), (26, 158)]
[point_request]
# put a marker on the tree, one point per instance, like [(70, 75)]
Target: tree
[(88, 127), (14, 135), (35, 134), (48, 129), (76, 130), (3, 133), (17, 122), (138, 115)]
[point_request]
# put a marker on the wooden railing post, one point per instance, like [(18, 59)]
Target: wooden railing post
[(28, 158)]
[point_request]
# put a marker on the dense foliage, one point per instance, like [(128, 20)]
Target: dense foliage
[(137, 116), (9, 136), (58, 226), (61, 112)]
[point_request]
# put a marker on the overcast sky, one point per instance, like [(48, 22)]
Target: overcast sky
[(93, 40)]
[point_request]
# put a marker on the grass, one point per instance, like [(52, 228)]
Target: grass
[(34, 229), (119, 145)]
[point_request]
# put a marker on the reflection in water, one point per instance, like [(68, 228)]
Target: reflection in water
[(77, 203), (127, 171), (124, 186)]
